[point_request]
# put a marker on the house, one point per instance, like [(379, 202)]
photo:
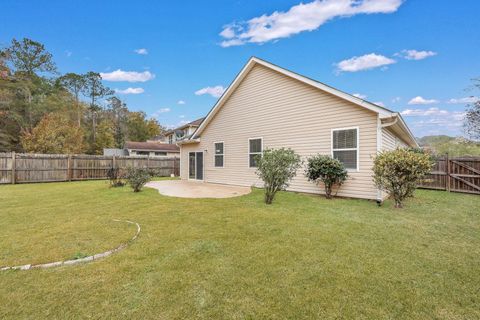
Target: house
[(267, 106), (149, 148), (180, 133), (152, 149)]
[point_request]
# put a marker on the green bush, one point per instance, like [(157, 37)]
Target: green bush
[(276, 168), (324, 169), (399, 171), (138, 177)]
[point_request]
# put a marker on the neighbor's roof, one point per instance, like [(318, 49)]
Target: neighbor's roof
[(151, 146), (382, 111), (194, 123)]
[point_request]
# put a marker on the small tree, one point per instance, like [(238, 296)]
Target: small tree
[(276, 168), (138, 177), (399, 171), (324, 169)]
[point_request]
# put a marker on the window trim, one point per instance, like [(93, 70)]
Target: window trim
[(249, 153), (215, 154), (347, 149)]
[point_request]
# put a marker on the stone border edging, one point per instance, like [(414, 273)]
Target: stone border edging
[(76, 261)]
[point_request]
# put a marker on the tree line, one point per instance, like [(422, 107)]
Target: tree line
[(43, 111)]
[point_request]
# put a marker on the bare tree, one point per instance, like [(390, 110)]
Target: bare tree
[(472, 117)]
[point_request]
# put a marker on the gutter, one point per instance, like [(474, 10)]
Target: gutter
[(189, 141), (398, 118)]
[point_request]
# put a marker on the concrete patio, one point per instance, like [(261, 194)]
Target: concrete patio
[(190, 189)]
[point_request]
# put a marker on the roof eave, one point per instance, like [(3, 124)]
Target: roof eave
[(188, 141), (251, 63)]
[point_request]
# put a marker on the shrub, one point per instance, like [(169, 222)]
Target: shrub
[(138, 177), (115, 177), (325, 169), (276, 168), (398, 172)]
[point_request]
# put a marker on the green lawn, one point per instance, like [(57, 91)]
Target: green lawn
[(302, 257)]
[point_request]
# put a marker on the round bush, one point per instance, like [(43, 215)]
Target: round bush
[(327, 170), (399, 171)]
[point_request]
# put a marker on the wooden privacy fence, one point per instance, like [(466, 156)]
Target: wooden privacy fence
[(455, 174), (25, 167)]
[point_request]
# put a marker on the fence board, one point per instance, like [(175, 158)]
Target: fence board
[(461, 174), (25, 168)]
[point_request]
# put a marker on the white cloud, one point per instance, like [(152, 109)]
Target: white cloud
[(181, 116), (427, 121), (130, 91), (129, 76), (447, 120), (142, 51), (216, 91), (380, 103), (159, 112), (299, 18), (179, 124), (424, 112), (365, 62), (465, 100), (181, 102), (416, 55), (421, 100), (396, 99), (359, 95), (228, 33)]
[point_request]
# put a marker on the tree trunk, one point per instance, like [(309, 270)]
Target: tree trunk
[(398, 204), (94, 126), (328, 192), (79, 113)]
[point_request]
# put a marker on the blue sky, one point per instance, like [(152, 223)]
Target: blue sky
[(414, 56)]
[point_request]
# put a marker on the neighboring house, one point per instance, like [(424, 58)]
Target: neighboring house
[(152, 149), (114, 152), (180, 133), (267, 106)]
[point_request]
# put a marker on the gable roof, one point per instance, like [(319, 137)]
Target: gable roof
[(151, 146), (194, 123), (382, 111)]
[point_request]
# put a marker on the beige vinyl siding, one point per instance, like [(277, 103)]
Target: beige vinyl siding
[(285, 113), (390, 141)]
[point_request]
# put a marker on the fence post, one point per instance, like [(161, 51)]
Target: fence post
[(448, 173), (69, 167), (114, 162), (14, 157), (148, 161)]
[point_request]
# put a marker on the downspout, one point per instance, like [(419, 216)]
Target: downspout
[(380, 127)]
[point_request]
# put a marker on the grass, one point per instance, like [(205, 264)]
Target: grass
[(302, 257)]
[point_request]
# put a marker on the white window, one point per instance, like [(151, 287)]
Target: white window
[(160, 154), (345, 147), (255, 148), (170, 139), (219, 154)]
